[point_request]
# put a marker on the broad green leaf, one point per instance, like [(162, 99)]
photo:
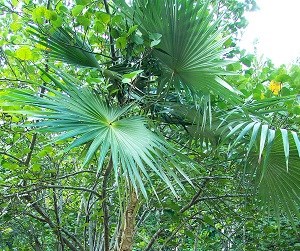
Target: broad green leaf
[(271, 137), (244, 132), (278, 188), (116, 20), (99, 27), (50, 15), (235, 129), (154, 43), (24, 53), (76, 11), (121, 43), (57, 22), (132, 75), (65, 45), (190, 49), (84, 21), (38, 14), (36, 168), (15, 26), (15, 2), (103, 17), (255, 130), (132, 29)]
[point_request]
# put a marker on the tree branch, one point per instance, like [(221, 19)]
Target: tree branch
[(104, 204), (111, 40), (222, 197), (31, 147), (193, 201), (182, 224), (13, 157), (52, 186), (153, 239), (53, 226), (6, 60), (57, 217)]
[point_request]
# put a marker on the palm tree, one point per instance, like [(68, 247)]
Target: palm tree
[(174, 83)]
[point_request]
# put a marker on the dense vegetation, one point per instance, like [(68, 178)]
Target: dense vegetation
[(140, 125)]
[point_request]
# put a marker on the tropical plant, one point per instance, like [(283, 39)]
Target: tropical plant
[(80, 113), (142, 92)]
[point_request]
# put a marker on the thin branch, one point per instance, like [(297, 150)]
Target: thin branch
[(153, 239), (89, 207), (193, 201), (75, 188), (9, 10), (111, 40), (85, 50), (104, 204), (36, 217), (92, 52), (181, 225), (13, 157), (57, 217), (58, 178), (218, 230), (31, 147), (15, 80), (53, 226), (72, 174), (24, 193), (222, 197), (142, 218), (8, 63)]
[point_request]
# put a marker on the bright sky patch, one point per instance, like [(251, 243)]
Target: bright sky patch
[(276, 27)]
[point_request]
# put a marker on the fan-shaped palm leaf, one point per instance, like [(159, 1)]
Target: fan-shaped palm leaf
[(66, 46), (273, 153), (80, 113), (278, 187), (190, 49), (255, 124)]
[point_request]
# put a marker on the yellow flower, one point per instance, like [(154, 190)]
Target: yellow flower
[(275, 87)]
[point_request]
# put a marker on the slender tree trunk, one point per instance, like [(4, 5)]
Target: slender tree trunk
[(129, 223), (105, 206)]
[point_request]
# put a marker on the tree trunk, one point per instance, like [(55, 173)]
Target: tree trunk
[(129, 224)]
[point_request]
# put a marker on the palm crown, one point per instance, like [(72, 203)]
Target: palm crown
[(189, 52)]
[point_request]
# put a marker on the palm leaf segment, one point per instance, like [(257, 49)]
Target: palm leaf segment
[(273, 155), (190, 49), (278, 187), (78, 112), (66, 46)]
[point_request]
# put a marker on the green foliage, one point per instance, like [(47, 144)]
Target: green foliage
[(64, 45), (187, 44), (106, 107), (80, 113)]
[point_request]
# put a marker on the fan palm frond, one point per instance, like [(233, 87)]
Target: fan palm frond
[(264, 136), (257, 125), (278, 187), (65, 45), (190, 49), (79, 113), (273, 154)]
